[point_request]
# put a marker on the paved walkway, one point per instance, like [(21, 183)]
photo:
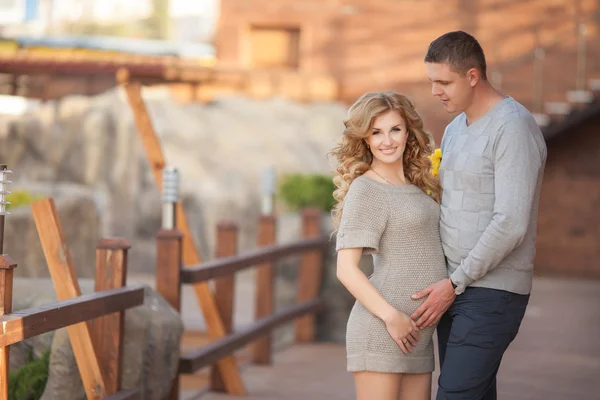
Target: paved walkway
[(555, 357)]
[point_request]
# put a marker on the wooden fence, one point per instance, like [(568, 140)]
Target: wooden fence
[(170, 276), (98, 348)]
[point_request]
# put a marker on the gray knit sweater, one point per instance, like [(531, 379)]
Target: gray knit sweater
[(491, 175), (399, 226)]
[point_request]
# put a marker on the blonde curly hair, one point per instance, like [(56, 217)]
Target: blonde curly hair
[(354, 157)]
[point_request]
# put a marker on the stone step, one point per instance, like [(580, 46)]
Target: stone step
[(541, 119), (580, 96), (557, 108), (594, 85)]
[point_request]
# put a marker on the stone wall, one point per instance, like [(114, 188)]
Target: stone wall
[(80, 220), (568, 222), (220, 148)]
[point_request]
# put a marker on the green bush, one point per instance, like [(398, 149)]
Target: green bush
[(21, 198), (307, 190), (29, 381)]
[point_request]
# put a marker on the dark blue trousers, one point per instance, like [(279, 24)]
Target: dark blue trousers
[(473, 335)]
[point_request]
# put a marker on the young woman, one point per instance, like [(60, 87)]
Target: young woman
[(387, 206)]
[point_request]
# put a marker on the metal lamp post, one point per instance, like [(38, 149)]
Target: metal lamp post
[(170, 196), (4, 172)]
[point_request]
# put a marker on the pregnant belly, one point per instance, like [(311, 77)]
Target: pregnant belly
[(399, 285)]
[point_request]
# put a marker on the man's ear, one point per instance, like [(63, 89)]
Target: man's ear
[(473, 76)]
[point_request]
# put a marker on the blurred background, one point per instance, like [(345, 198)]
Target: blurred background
[(236, 88)]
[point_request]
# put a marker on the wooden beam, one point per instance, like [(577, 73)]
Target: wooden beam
[(309, 275), (24, 324), (7, 267), (227, 366), (228, 265), (190, 253), (66, 285), (108, 331), (168, 275), (265, 288), (224, 288), (148, 135), (214, 351), (168, 266), (77, 68)]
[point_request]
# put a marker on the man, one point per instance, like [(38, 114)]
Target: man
[(493, 156)]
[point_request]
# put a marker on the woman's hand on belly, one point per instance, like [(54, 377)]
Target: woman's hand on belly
[(402, 329)]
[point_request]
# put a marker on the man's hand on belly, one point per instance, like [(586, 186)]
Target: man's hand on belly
[(440, 296)]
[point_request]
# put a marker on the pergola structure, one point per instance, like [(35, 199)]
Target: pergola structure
[(49, 76)]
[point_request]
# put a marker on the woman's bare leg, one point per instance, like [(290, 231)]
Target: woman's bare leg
[(415, 387), (377, 385)]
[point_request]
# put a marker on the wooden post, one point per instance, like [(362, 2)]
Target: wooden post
[(309, 275), (227, 366), (108, 331), (168, 266), (224, 287), (6, 288), (168, 277), (65, 282), (265, 282)]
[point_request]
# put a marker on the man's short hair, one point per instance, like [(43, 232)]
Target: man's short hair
[(460, 50)]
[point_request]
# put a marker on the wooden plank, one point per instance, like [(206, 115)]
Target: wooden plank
[(65, 282), (309, 275), (224, 288), (265, 286), (34, 321), (168, 272), (214, 323), (7, 267), (213, 351), (168, 266), (144, 125), (125, 395), (108, 331), (190, 254), (228, 265)]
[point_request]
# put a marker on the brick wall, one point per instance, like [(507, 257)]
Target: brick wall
[(569, 218), (380, 44)]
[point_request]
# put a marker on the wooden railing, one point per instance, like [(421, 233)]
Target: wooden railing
[(170, 277), (98, 347)]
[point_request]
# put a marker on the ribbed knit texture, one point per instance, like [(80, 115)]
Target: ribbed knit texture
[(399, 226)]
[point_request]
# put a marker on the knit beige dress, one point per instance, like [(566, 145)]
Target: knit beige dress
[(399, 226)]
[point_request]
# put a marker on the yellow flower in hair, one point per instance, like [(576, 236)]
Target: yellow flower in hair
[(436, 159)]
